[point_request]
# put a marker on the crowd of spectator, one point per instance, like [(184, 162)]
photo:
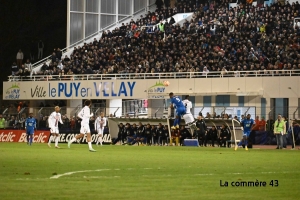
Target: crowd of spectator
[(217, 38)]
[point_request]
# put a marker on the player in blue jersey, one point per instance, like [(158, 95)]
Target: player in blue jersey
[(247, 125), (30, 125), (177, 103)]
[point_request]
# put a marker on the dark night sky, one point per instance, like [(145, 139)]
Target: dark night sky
[(22, 21)]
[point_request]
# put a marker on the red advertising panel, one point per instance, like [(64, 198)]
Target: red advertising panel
[(20, 136)]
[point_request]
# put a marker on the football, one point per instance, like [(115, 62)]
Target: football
[(166, 83)]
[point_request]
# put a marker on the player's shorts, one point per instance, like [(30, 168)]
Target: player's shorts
[(54, 130), (30, 132), (100, 130), (247, 133), (180, 111), (85, 128), (188, 118)]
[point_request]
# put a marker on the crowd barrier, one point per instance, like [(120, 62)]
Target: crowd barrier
[(42, 136), (20, 136), (173, 75)]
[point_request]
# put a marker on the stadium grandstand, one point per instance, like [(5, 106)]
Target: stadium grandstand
[(219, 40), (232, 59)]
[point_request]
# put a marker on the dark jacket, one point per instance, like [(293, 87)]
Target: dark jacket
[(134, 130), (212, 133), (184, 133), (141, 131), (225, 133), (148, 132), (154, 132), (128, 131), (160, 131), (121, 131), (201, 125)]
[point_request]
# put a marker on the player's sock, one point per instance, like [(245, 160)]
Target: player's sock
[(31, 138), (100, 140), (56, 141), (73, 140), (90, 145), (50, 140), (28, 140)]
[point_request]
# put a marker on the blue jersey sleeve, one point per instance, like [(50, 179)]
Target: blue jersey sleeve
[(177, 101), (173, 100)]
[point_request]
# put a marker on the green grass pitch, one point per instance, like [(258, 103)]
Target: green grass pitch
[(142, 172)]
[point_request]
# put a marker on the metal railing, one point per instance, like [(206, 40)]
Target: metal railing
[(170, 75)]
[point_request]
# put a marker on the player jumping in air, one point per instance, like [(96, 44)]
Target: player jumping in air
[(53, 120), (85, 115), (247, 125), (188, 117), (100, 123), (30, 125), (180, 109)]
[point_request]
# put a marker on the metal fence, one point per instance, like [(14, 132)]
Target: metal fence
[(173, 75)]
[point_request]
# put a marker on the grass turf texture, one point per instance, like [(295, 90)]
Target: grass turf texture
[(142, 172)]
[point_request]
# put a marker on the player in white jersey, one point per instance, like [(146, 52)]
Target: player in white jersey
[(100, 123), (188, 117), (53, 120), (85, 115)]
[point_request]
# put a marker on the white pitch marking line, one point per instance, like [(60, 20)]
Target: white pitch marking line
[(204, 174), (75, 172), (96, 177), (157, 175), (26, 179)]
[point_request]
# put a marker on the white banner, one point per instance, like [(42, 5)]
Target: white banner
[(152, 88), (110, 89)]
